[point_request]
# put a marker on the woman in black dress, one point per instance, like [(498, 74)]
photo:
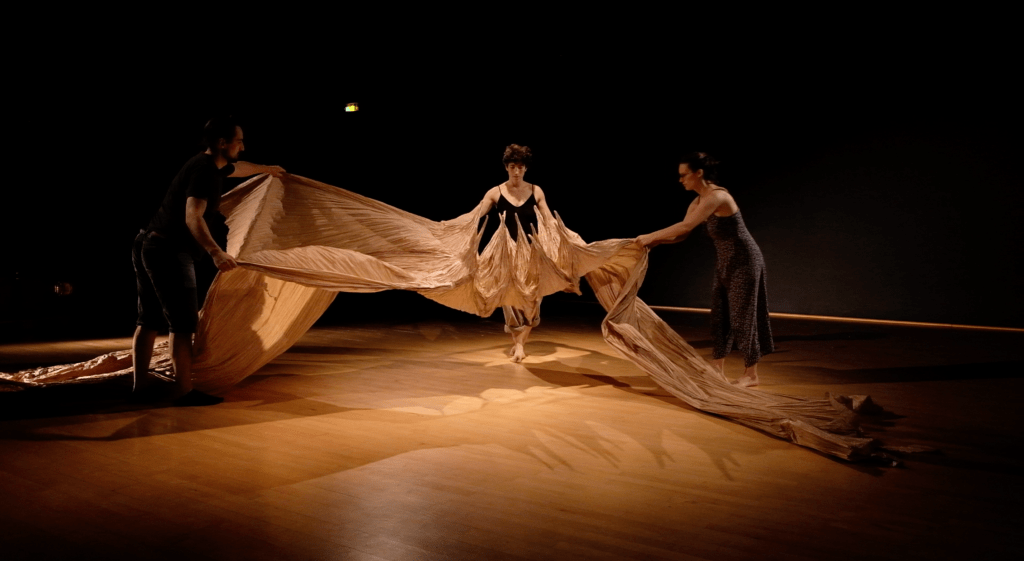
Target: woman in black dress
[(516, 198), (739, 307)]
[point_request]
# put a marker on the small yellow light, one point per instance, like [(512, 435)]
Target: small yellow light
[(351, 107)]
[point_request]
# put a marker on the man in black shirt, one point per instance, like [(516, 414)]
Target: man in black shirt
[(164, 255)]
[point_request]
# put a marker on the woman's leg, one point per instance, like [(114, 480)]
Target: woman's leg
[(719, 365), (743, 323), (721, 336), (519, 337), (519, 326), (749, 377)]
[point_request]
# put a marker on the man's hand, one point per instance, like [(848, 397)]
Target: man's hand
[(276, 171), (246, 169), (223, 260)]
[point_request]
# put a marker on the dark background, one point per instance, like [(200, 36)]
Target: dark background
[(878, 171)]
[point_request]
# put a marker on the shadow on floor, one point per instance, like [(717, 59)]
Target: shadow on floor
[(845, 336), (842, 336), (945, 372), (67, 400)]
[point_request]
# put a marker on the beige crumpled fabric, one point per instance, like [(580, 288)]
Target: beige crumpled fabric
[(300, 242)]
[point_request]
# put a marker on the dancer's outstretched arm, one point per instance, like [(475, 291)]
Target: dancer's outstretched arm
[(246, 169), (698, 211)]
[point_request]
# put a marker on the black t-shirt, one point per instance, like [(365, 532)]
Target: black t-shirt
[(198, 178)]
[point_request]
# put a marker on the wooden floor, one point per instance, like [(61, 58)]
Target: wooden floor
[(421, 441)]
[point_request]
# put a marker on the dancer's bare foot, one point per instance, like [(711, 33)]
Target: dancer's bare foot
[(749, 378), (518, 353), (519, 337), (746, 381)]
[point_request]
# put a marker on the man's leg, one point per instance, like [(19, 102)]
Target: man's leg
[(142, 354), (181, 360), (174, 281), (150, 313)]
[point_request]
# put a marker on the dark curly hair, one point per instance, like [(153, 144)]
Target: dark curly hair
[(218, 128), (516, 154), (702, 161)]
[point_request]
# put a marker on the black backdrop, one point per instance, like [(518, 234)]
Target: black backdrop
[(880, 182)]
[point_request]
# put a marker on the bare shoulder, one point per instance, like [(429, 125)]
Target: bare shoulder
[(493, 193), (721, 195), (722, 198), (538, 193)]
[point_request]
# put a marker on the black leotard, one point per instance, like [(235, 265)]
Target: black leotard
[(526, 212)]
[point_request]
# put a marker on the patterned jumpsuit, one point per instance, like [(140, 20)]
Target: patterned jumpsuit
[(739, 303)]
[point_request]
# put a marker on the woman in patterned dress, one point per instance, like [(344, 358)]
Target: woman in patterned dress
[(739, 307)]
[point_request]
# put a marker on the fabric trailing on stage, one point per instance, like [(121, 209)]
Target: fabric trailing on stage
[(299, 242)]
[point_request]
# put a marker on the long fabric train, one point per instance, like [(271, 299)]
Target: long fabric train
[(300, 242)]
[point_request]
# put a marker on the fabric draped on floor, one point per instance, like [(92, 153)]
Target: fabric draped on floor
[(299, 242)]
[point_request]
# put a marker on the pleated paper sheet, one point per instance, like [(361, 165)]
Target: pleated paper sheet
[(299, 242)]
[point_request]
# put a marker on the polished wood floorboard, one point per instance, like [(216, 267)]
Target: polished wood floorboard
[(419, 440)]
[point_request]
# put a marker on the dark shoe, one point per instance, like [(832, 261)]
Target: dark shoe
[(196, 398), (152, 393)]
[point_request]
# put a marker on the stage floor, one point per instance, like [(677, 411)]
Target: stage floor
[(419, 440)]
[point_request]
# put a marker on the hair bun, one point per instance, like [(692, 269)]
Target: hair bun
[(702, 161)]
